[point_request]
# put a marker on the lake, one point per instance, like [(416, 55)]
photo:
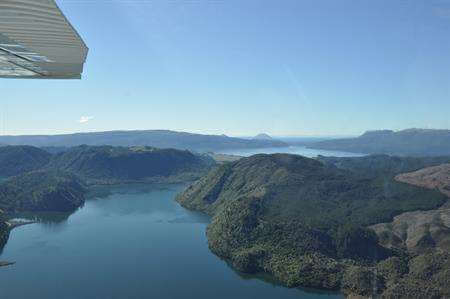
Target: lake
[(294, 149), (130, 241)]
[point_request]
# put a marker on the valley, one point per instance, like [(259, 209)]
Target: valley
[(337, 224)]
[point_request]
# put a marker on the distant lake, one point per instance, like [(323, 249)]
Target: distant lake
[(294, 149), (129, 241)]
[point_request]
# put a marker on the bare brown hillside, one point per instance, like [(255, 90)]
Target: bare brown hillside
[(420, 230), (436, 177), (417, 231)]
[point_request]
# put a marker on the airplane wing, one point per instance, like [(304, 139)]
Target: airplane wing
[(37, 41)]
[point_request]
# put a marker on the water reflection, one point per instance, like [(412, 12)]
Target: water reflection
[(135, 243), (275, 283), (105, 191), (44, 218)]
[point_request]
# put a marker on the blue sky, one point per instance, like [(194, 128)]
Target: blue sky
[(245, 67)]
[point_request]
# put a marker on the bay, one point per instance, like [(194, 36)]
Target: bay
[(130, 241)]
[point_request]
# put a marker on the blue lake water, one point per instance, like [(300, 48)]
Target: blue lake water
[(297, 150), (129, 241)]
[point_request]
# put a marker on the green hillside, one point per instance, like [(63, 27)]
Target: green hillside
[(107, 164), (41, 191), (16, 160), (299, 219)]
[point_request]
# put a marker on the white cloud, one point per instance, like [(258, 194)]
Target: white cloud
[(85, 119)]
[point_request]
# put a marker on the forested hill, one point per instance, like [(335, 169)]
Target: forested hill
[(154, 138), (38, 191), (39, 181), (305, 221), (410, 142), (107, 164), (15, 160), (42, 191), (117, 164)]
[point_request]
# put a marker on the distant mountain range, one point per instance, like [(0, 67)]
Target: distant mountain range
[(409, 142), (154, 138)]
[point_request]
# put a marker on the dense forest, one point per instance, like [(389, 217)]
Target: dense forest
[(35, 180), (106, 164), (119, 164), (42, 191), (308, 222), (16, 160), (305, 221)]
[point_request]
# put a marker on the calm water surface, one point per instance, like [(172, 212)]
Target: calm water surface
[(297, 150), (130, 241)]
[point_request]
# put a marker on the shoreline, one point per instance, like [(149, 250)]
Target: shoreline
[(14, 223), (5, 263)]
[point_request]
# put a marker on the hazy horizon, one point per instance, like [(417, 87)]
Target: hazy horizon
[(215, 67), (206, 133)]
